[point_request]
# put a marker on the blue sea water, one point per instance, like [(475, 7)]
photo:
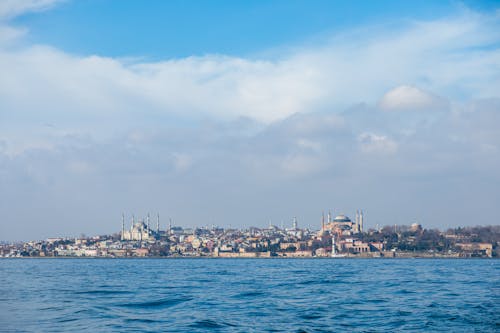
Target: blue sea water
[(249, 295)]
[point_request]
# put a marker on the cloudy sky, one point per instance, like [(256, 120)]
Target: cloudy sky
[(241, 113)]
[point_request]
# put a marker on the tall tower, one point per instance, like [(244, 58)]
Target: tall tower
[(361, 221), (294, 225), (148, 222), (123, 226), (323, 221), (329, 217), (158, 223), (170, 226), (356, 223)]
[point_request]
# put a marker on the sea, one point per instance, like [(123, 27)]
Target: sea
[(249, 295)]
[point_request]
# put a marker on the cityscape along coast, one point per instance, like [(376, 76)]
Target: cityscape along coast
[(337, 237)]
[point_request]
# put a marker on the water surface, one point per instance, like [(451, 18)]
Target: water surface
[(249, 295)]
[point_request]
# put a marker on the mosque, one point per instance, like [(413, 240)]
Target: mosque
[(140, 230), (342, 225)]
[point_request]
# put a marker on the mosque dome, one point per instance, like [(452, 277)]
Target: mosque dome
[(341, 218)]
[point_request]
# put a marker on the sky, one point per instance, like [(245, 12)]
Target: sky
[(242, 114)]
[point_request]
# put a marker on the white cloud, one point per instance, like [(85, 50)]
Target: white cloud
[(408, 98), (309, 144), (79, 167), (298, 165), (12, 8), (188, 171), (182, 162), (140, 135), (10, 34), (46, 84), (373, 143)]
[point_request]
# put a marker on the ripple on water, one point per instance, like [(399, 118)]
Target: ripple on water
[(156, 304), (311, 316), (102, 292), (206, 323), (249, 295), (141, 320)]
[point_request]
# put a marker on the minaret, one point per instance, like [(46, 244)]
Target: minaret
[(361, 221), (169, 226), (158, 224), (294, 225), (356, 226), (329, 217), (123, 226), (131, 234), (148, 222), (323, 221)]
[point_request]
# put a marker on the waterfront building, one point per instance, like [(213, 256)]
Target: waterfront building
[(321, 252)]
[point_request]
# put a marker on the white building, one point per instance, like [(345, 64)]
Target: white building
[(139, 231)]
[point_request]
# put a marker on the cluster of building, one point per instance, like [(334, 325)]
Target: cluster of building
[(338, 237)]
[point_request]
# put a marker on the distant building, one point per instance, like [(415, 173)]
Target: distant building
[(476, 249), (342, 224), (139, 231), (415, 227)]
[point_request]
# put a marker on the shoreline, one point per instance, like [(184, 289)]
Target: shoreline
[(265, 258)]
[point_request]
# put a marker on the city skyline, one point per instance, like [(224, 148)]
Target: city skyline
[(239, 113), (152, 221), (337, 237)]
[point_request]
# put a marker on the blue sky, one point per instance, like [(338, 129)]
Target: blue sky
[(238, 113), (166, 29)]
